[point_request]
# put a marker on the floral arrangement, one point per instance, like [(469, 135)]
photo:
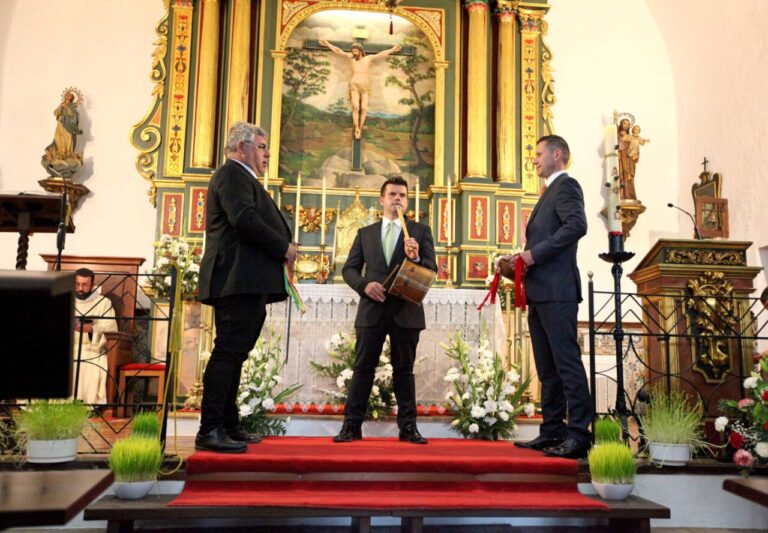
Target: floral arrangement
[(257, 396), (487, 398), (172, 250), (745, 423), (341, 352)]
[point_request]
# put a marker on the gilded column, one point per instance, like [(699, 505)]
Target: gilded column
[(205, 99), (506, 108), (440, 67), (477, 89), (530, 29), (278, 57), (239, 62)]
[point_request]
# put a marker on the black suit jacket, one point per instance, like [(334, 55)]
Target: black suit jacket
[(552, 234), (246, 238), (368, 251)]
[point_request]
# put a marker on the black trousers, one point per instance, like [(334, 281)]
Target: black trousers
[(370, 341), (239, 319), (564, 388)]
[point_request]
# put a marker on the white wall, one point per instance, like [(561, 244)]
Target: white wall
[(102, 47)]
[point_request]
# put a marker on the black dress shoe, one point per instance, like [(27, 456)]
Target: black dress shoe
[(348, 433), (239, 434), (217, 440), (410, 433), (539, 443), (570, 449)]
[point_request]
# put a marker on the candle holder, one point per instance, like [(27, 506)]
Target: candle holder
[(322, 273), (448, 269)]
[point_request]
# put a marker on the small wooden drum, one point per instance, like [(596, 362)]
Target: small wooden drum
[(412, 282)]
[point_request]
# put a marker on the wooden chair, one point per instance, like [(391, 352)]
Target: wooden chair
[(132, 371), (122, 291)]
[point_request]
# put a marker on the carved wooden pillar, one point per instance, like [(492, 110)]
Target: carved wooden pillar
[(530, 33), (204, 128), (477, 89), (507, 97), (239, 62)]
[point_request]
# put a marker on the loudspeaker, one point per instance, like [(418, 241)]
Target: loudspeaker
[(36, 334)]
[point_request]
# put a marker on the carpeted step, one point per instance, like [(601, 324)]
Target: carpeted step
[(387, 495), (303, 455)]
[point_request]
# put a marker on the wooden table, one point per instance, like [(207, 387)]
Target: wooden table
[(753, 489), (43, 498)]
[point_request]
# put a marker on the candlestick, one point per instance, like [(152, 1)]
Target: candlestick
[(418, 184), (297, 223), (322, 215), (449, 216), (266, 178)]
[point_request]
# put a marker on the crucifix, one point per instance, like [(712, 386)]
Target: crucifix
[(705, 164), (360, 54)]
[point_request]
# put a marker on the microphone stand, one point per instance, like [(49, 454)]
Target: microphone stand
[(696, 233), (61, 233)]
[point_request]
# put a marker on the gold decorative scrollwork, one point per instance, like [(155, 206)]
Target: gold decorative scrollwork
[(706, 257), (312, 267), (309, 217), (547, 91), (145, 135), (710, 308)]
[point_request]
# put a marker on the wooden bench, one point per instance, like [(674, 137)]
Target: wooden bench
[(753, 489), (632, 515)]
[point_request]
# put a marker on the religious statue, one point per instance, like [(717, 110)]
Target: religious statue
[(629, 154), (60, 157), (359, 82)]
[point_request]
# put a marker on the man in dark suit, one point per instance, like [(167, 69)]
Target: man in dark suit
[(247, 243), (379, 248), (553, 291)]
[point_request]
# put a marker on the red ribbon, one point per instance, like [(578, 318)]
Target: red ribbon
[(491, 292), (520, 267)]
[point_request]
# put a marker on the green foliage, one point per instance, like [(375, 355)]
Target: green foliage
[(146, 424), (607, 429), (258, 396), (673, 418), (136, 459), (52, 419), (305, 75), (487, 398), (170, 251), (341, 353), (612, 462)]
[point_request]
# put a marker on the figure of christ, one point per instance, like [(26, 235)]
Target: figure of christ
[(359, 83)]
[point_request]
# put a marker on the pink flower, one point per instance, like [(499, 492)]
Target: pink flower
[(737, 440), (743, 458), (746, 402)]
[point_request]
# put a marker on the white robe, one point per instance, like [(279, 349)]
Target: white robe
[(92, 384)]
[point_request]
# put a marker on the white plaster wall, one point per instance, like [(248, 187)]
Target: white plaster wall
[(600, 66), (104, 48), (718, 53)]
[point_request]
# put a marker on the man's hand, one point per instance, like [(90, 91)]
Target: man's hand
[(411, 249), (323, 42), (375, 291), (506, 265), (290, 254), (396, 48)]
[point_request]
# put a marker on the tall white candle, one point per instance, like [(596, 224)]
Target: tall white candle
[(611, 178), (266, 178), (298, 210), (416, 207), (322, 215), (449, 215)]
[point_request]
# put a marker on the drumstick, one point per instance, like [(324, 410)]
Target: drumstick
[(402, 223)]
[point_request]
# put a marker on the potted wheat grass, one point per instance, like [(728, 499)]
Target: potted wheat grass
[(607, 429), (49, 429), (612, 468), (672, 427), (135, 461)]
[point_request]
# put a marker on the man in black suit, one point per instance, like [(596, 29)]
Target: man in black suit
[(553, 291), (247, 243), (379, 248)]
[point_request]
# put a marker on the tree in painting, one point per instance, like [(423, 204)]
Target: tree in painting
[(306, 74)]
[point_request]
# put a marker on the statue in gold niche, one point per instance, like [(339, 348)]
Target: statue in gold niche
[(629, 155)]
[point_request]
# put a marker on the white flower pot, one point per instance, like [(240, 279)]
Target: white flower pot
[(669, 454), (51, 451), (133, 490), (612, 491)]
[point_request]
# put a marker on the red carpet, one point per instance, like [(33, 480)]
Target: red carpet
[(300, 455), (386, 495)]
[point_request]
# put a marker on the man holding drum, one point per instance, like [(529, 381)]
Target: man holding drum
[(378, 249)]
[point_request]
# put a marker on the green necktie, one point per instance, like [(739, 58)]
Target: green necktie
[(389, 241)]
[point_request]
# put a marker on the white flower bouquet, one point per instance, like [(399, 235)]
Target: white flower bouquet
[(258, 395), (341, 352), (487, 398), (172, 250)]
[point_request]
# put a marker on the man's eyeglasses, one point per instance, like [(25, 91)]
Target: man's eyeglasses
[(261, 146)]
